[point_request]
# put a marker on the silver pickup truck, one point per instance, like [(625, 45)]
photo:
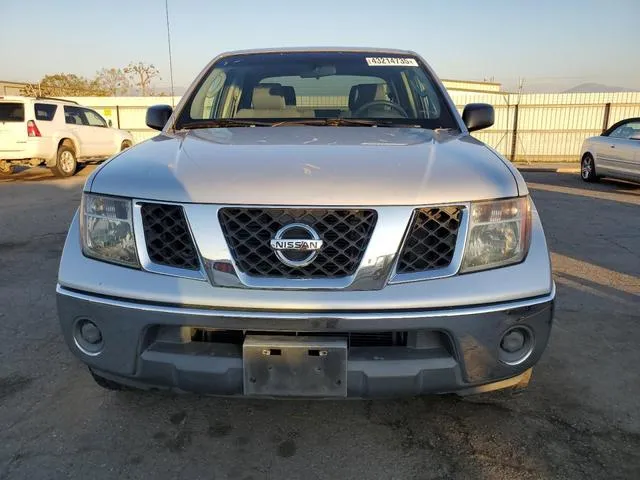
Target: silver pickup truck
[(309, 223)]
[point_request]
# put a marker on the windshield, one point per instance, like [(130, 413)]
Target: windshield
[(290, 87)]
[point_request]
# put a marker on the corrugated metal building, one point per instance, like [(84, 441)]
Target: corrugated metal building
[(11, 88)]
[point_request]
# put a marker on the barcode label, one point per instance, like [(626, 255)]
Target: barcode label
[(391, 62)]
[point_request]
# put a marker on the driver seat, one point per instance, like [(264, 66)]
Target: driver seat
[(364, 93)]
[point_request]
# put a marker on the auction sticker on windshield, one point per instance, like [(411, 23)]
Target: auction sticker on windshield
[(391, 62)]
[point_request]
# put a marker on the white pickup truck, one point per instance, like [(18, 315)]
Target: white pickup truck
[(58, 133)]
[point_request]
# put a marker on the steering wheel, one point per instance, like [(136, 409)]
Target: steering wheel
[(380, 103)]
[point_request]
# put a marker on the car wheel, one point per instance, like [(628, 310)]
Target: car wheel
[(6, 168), (66, 163), (588, 169), (106, 383), (126, 144)]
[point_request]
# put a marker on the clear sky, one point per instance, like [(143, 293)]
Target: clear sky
[(552, 44)]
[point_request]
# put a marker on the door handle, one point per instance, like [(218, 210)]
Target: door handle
[(612, 146)]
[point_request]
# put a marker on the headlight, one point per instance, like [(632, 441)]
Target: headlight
[(499, 233), (107, 230)]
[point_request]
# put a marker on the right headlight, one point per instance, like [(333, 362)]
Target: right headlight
[(106, 227), (499, 234)]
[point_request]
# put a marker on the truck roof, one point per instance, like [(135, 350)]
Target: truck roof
[(21, 98), (318, 49)]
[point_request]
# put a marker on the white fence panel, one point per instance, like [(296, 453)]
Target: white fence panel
[(550, 127)]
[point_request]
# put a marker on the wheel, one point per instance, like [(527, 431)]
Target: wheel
[(6, 168), (588, 169), (106, 383), (126, 144), (66, 163)]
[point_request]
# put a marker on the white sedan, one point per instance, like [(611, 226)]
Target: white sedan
[(615, 153)]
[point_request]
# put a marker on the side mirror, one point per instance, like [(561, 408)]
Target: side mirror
[(110, 123), (157, 116), (477, 116)]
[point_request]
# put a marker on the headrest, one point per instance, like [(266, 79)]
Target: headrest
[(268, 98), (289, 95)]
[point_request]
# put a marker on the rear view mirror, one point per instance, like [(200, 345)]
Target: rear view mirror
[(157, 116), (320, 71), (477, 116)]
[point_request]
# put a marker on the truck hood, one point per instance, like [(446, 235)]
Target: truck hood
[(308, 165)]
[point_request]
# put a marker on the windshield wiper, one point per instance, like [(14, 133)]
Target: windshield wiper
[(331, 122), (348, 122), (224, 123)]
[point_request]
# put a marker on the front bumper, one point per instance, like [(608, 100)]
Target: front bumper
[(147, 345)]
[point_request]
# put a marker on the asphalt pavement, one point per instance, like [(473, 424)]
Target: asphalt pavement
[(579, 418)]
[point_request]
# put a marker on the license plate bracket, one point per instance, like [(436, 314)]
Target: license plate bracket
[(294, 366)]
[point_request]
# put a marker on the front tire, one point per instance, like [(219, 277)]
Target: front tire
[(66, 163), (588, 168)]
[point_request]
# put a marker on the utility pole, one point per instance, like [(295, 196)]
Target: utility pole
[(514, 138), (166, 9)]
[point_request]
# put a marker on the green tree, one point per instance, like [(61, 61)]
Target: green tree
[(141, 74), (65, 85), (114, 81)]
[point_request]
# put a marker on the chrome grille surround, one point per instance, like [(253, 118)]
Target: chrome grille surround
[(377, 267), (167, 236), (146, 261), (431, 240)]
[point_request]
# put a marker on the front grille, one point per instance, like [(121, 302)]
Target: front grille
[(354, 339), (431, 240), (345, 233), (167, 236)]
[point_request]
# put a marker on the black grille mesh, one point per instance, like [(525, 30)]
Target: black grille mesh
[(345, 233), (167, 236), (431, 240), (355, 339)]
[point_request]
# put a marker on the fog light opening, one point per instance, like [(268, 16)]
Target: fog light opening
[(516, 345), (88, 337)]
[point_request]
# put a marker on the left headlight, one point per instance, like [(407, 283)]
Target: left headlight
[(106, 228), (499, 234)]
